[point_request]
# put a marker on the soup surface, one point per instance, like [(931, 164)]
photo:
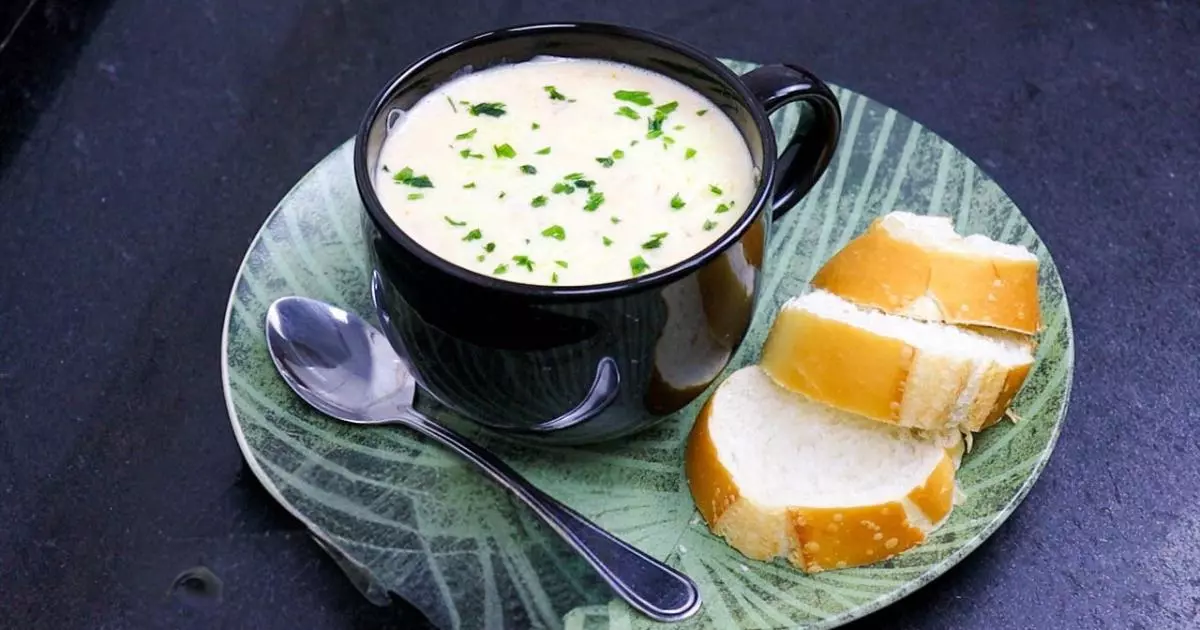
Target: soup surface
[(564, 172)]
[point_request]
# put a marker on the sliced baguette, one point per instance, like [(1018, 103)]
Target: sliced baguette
[(919, 266), (923, 375), (778, 475)]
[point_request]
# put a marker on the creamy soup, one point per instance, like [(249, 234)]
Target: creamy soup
[(564, 171)]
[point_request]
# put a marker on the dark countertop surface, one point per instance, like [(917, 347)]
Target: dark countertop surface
[(142, 143)]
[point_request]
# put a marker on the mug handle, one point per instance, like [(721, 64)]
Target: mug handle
[(809, 151)]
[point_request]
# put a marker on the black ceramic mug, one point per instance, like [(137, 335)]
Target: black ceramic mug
[(576, 364)]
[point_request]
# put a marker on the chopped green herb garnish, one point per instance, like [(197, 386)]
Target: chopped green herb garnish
[(523, 261), (722, 208), (466, 135), (614, 220), (573, 176), (504, 151), (555, 95), (555, 232), (584, 183), (561, 263), (689, 154), (495, 110), (489, 248), (715, 190), (607, 241), (535, 126), (501, 268), (678, 127), (618, 154), (677, 202), (543, 151), (453, 222), (638, 265), (451, 104), (594, 201), (636, 97), (501, 195), (466, 153), (473, 235), (386, 169), (628, 112), (606, 161), (415, 196), (633, 143), (655, 240), (538, 201), (654, 126), (479, 258), (528, 169), (667, 108), (668, 141), (554, 277), (560, 188), (701, 112), (406, 177), (709, 224), (469, 185)]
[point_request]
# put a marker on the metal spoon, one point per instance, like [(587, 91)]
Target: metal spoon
[(346, 368)]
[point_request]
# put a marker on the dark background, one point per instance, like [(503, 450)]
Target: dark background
[(142, 143)]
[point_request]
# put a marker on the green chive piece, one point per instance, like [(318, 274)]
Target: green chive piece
[(466, 135), (594, 201), (538, 201), (560, 188), (543, 151), (523, 261), (495, 110), (638, 265), (406, 177), (501, 268), (628, 112), (489, 248), (607, 241), (504, 151), (555, 95), (722, 209), (606, 162), (535, 126), (403, 175), (614, 220), (709, 225), (453, 222), (469, 185), (701, 112), (554, 277), (678, 127), (573, 176), (655, 240), (667, 141), (677, 202), (637, 97), (618, 154), (689, 154), (415, 196), (561, 263), (473, 235), (667, 108), (584, 183), (479, 258), (466, 153), (528, 169), (555, 232), (715, 190)]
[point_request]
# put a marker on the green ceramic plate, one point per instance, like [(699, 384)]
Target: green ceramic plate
[(405, 517)]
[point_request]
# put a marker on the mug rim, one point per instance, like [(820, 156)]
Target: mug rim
[(618, 288)]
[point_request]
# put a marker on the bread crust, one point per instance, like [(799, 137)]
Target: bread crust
[(811, 538), (897, 276)]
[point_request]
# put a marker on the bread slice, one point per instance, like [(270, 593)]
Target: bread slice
[(924, 375), (778, 475), (920, 267)]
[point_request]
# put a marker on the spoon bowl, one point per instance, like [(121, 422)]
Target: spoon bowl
[(346, 369)]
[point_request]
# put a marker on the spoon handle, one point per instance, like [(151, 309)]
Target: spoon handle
[(657, 590)]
